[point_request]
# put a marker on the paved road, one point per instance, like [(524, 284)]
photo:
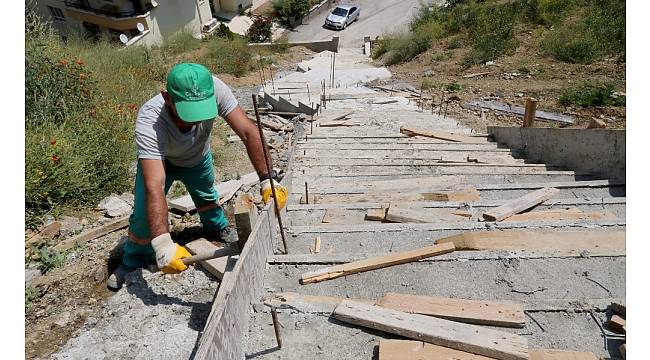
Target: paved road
[(377, 17)]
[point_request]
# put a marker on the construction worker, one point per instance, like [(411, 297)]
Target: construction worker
[(172, 136)]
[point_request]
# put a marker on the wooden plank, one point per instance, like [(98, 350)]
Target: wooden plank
[(596, 123), (517, 110), (561, 214), (418, 350), (339, 123), (216, 267), (549, 354), (92, 234), (307, 303), (376, 214), (464, 195), (317, 245), (404, 215), (618, 308), (409, 131), (561, 242), (617, 324), (518, 205), (451, 334), (245, 213), (529, 114), (228, 320), (470, 76), (481, 312), (333, 272)]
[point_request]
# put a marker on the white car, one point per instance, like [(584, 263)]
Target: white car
[(342, 16)]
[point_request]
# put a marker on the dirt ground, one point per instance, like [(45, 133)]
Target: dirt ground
[(513, 78)]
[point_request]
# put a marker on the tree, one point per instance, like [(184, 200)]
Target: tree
[(291, 8)]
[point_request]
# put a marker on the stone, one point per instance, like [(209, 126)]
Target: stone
[(128, 198), (114, 206), (31, 275), (63, 319), (428, 73), (52, 230), (70, 226)]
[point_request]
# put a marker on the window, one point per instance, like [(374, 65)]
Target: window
[(57, 14)]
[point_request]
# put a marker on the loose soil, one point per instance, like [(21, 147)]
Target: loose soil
[(539, 77)]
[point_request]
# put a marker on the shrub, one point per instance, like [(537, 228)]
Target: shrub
[(598, 31), (591, 94), (32, 294), (402, 47), (453, 87), (287, 9), (260, 30), (229, 56), (180, 42), (78, 142), (490, 31)]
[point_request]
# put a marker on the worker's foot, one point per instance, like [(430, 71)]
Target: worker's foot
[(116, 280), (225, 235)]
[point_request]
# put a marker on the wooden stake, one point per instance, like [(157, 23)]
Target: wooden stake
[(529, 115)]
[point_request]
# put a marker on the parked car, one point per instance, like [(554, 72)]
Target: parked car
[(342, 16)]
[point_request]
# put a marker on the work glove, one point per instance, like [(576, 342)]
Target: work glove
[(281, 192), (169, 254)]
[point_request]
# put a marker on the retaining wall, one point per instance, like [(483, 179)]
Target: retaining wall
[(316, 46), (600, 152)]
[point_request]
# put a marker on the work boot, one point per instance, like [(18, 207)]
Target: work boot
[(116, 280), (225, 235)]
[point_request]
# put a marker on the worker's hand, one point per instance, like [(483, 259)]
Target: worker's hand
[(169, 254), (281, 192)]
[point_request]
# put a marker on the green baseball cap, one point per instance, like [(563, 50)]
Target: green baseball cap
[(192, 90)]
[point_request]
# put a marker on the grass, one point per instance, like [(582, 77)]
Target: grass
[(82, 99), (50, 259), (32, 294), (589, 94), (577, 31)]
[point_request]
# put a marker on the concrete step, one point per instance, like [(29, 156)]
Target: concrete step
[(334, 182), (422, 170), (355, 213)]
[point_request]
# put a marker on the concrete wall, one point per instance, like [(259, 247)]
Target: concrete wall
[(600, 152), (233, 5), (317, 46), (63, 27), (172, 16)]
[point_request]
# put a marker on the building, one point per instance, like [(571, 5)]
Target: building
[(143, 22)]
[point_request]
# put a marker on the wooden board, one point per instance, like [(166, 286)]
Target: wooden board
[(245, 213), (549, 354), (216, 267), (561, 214), (450, 195), (617, 324), (91, 234), (409, 131), (471, 338), (376, 214), (517, 110), (418, 350), (339, 123), (518, 205), (307, 303), (226, 190), (405, 215), (333, 272), (558, 242), (482, 312)]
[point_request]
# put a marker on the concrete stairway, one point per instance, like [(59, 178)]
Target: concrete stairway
[(339, 163)]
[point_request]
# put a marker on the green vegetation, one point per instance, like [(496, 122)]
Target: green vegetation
[(287, 9), (229, 56), (579, 31), (32, 294), (260, 30), (50, 259), (81, 100), (591, 94), (453, 87)]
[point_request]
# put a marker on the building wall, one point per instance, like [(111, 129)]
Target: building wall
[(233, 5), (63, 27), (172, 16)]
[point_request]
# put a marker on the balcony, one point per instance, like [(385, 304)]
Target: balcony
[(111, 16)]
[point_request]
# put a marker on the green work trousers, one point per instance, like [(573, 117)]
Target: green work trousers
[(199, 182)]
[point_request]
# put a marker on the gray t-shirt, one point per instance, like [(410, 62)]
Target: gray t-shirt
[(158, 137)]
